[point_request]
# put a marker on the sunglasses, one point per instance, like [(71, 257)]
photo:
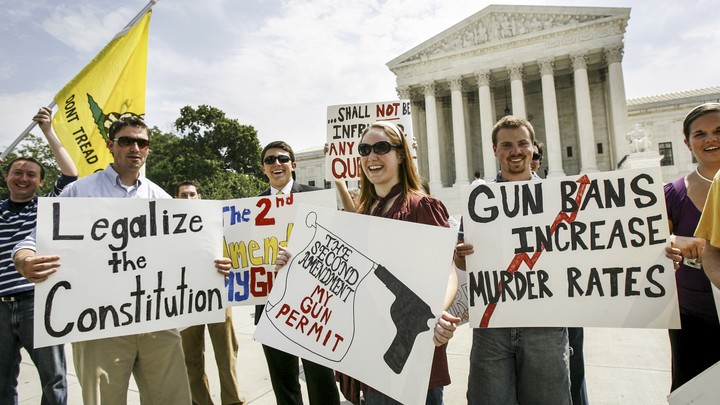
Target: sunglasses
[(537, 156), (270, 160), (380, 148), (125, 141)]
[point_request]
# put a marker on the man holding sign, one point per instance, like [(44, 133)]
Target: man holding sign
[(278, 164), (23, 176), (222, 335), (516, 365), (104, 365)]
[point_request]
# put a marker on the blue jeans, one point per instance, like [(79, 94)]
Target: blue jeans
[(519, 365), (16, 330), (434, 397)]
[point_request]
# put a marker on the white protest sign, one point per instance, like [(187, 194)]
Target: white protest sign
[(346, 123), (355, 300), (585, 250), (701, 390), (254, 229), (127, 266), (459, 306)]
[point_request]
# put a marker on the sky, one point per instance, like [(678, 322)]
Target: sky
[(278, 64)]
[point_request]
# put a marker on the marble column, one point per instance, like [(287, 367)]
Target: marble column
[(405, 93), (435, 180), (418, 117), (586, 135), (516, 90), (618, 102), (553, 148), (462, 177), (487, 122)]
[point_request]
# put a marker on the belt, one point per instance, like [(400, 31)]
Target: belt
[(15, 297)]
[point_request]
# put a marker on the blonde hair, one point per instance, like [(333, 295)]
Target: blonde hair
[(409, 180)]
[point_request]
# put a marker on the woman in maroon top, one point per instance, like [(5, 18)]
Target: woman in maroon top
[(391, 188), (694, 346)]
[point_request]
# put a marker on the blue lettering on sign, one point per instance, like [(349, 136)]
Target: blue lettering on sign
[(239, 279), (237, 216)]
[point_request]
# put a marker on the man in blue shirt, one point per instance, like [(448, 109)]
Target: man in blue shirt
[(18, 214), (104, 366)]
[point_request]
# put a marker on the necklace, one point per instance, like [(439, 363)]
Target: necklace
[(701, 176)]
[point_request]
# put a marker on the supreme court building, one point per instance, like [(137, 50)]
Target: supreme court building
[(559, 67)]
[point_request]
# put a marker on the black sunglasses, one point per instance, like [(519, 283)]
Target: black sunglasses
[(537, 156), (270, 160), (380, 148), (125, 141)]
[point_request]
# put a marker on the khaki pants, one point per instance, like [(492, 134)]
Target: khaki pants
[(104, 366), (225, 346)]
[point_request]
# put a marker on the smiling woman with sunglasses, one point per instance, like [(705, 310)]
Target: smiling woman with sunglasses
[(391, 188)]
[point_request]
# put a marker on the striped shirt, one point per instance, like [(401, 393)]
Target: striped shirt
[(14, 227)]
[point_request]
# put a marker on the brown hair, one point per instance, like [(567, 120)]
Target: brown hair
[(511, 121), (279, 145), (409, 179), (697, 112), (129, 121), (26, 159)]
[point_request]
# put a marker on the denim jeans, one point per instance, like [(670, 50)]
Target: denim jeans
[(16, 330), (519, 365), (434, 397)]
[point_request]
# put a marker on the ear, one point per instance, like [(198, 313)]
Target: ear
[(293, 165), (109, 143), (495, 150), (687, 143)]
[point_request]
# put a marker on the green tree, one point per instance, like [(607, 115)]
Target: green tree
[(38, 148), (232, 145), (216, 151)]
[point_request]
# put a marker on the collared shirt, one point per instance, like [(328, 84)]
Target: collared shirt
[(107, 184), (14, 227), (499, 178), (285, 190), (103, 184)]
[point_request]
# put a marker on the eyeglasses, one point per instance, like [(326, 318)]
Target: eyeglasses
[(380, 148), (270, 160), (125, 141), (537, 156)]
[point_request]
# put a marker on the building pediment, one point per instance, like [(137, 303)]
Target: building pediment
[(499, 25)]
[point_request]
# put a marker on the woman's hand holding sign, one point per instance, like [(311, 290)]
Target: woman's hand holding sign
[(685, 248), (445, 328)]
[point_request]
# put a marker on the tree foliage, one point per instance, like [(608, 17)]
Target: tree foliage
[(218, 152)]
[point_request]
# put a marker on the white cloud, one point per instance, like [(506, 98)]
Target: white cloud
[(277, 64), (86, 27)]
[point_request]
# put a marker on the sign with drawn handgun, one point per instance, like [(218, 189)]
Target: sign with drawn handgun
[(254, 229), (356, 299)]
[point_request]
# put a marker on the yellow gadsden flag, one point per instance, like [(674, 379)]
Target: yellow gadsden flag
[(112, 85)]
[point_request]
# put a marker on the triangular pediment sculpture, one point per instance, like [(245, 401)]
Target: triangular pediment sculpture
[(498, 24)]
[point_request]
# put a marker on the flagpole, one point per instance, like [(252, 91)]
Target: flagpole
[(52, 104)]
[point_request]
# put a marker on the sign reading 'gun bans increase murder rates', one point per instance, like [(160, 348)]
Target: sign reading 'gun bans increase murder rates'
[(254, 229), (356, 299), (585, 250), (127, 266)]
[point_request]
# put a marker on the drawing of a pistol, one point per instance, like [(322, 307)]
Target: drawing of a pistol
[(409, 313)]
